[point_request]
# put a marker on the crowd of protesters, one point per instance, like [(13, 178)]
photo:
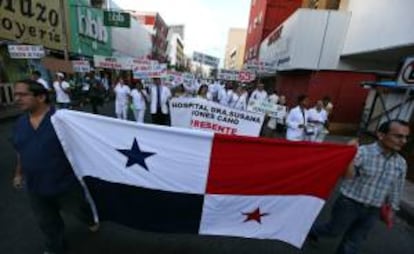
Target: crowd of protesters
[(52, 186), (302, 122)]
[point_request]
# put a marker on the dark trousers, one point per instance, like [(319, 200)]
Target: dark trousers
[(352, 218), (47, 213), (159, 118)]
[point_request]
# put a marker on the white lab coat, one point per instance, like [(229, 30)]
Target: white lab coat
[(293, 120), (165, 96)]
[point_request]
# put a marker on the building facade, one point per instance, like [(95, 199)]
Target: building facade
[(234, 55), (179, 29), (175, 50), (378, 42), (265, 16), (159, 30)]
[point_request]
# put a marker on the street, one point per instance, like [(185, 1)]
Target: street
[(19, 233)]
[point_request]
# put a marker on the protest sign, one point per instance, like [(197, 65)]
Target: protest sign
[(268, 108), (81, 66), (197, 113)]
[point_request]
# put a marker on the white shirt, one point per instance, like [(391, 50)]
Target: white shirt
[(239, 102), (293, 120), (258, 95), (317, 116), (273, 98), (61, 96), (44, 83), (222, 96), (230, 97), (121, 93), (138, 99)]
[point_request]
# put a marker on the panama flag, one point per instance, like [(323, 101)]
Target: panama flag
[(167, 179)]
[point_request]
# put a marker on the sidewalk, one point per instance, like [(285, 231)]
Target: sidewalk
[(407, 200)]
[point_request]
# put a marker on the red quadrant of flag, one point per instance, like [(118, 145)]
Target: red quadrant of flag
[(252, 166)]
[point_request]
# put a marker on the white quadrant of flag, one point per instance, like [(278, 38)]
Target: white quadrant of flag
[(287, 218), (180, 162)]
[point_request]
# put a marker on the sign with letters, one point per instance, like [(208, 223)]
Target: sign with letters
[(35, 22), (87, 33), (233, 75), (26, 51), (268, 108), (81, 66), (144, 69), (117, 19), (115, 63), (196, 113)]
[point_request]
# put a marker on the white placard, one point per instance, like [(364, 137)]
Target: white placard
[(115, 63), (143, 69), (81, 66), (201, 114), (268, 108), (233, 75), (26, 51)]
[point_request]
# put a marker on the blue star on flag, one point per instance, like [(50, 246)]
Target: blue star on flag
[(135, 155)]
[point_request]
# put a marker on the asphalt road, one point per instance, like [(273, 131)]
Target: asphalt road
[(19, 233)]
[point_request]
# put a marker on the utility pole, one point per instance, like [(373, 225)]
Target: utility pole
[(64, 32)]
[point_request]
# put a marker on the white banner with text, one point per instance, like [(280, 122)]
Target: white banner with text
[(197, 113)]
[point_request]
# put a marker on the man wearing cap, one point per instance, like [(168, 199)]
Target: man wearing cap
[(42, 168), (62, 91), (159, 95)]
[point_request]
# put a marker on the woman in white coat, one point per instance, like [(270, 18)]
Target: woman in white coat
[(122, 92), (297, 121), (139, 98)]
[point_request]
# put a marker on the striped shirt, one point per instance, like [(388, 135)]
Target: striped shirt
[(378, 177)]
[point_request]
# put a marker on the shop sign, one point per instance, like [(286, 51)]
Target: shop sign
[(87, 34), (117, 19), (32, 21)]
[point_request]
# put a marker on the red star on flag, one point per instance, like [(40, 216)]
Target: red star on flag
[(255, 215)]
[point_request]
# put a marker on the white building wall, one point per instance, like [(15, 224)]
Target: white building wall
[(133, 42), (172, 47), (379, 24), (310, 39)]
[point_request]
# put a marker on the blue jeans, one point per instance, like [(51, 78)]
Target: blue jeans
[(352, 218), (47, 213)]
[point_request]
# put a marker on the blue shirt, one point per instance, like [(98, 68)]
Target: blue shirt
[(379, 177), (45, 167)]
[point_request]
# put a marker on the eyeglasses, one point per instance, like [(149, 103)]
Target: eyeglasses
[(399, 136), (22, 94)]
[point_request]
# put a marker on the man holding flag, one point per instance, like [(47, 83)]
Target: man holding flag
[(42, 167), (376, 182)]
